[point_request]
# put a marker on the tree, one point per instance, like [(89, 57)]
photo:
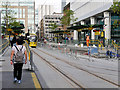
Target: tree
[(9, 21), (116, 6), (68, 17), (116, 9), (8, 14), (53, 26), (16, 26)]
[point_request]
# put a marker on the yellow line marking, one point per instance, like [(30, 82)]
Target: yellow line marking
[(4, 43), (35, 80)]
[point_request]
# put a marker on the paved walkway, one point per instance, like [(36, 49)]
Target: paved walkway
[(28, 77)]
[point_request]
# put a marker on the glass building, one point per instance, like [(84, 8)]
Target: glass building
[(25, 12), (115, 29), (96, 12)]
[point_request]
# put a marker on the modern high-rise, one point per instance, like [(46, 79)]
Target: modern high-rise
[(91, 12), (25, 12), (44, 10), (63, 4)]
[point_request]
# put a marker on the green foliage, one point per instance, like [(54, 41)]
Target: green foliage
[(116, 24), (8, 14), (16, 26), (53, 26), (116, 9), (9, 20), (68, 17), (116, 6)]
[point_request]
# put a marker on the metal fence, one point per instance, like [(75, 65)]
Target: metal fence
[(77, 51), (4, 46)]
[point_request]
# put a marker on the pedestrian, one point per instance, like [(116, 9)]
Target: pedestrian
[(45, 41), (14, 41), (87, 40), (22, 38), (11, 41), (18, 51)]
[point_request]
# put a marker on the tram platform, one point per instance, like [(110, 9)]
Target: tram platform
[(29, 79)]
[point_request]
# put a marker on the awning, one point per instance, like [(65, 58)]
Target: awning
[(98, 26), (85, 28), (78, 27), (61, 31)]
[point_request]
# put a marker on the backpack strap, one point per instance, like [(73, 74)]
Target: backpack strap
[(16, 47), (21, 48)]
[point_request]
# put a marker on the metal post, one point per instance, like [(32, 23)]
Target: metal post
[(31, 61), (0, 44), (0, 29), (89, 52)]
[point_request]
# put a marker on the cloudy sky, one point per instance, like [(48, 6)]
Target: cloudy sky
[(56, 3)]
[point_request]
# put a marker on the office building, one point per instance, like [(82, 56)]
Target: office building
[(44, 10), (48, 20), (25, 12), (91, 12), (63, 4)]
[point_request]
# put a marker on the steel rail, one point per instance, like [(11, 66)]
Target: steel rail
[(61, 72), (3, 43), (4, 47), (81, 69), (88, 65)]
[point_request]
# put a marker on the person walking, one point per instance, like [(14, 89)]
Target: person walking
[(11, 41), (14, 41), (87, 40), (18, 51)]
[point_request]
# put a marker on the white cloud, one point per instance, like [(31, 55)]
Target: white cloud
[(56, 3)]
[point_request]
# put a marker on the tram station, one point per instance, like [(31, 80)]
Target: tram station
[(71, 45)]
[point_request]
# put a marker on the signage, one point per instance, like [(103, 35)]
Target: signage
[(9, 29), (102, 34), (97, 33), (90, 28)]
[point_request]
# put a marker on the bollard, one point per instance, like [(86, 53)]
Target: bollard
[(76, 53), (58, 47), (61, 50), (68, 50), (65, 50), (89, 52), (71, 51)]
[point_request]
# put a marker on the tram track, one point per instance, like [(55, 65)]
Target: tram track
[(100, 67), (62, 72), (71, 64), (94, 66)]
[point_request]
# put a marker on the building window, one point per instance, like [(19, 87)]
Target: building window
[(115, 30)]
